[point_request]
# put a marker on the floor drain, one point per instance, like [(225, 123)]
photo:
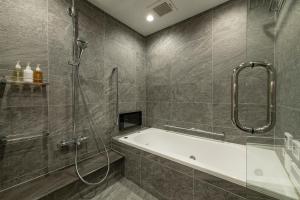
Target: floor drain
[(192, 157)]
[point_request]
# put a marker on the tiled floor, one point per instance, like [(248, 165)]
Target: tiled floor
[(124, 190)]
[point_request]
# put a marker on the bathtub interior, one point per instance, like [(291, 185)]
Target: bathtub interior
[(210, 155), (245, 165)]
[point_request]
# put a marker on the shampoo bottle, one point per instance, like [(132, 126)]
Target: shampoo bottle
[(38, 75), (18, 73), (28, 74)]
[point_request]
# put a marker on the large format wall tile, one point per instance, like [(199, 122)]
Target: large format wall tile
[(229, 30), (23, 33), (162, 181), (192, 112)]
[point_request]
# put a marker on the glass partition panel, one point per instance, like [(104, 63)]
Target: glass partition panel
[(273, 158)]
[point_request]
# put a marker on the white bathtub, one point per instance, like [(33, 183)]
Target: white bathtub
[(221, 159)]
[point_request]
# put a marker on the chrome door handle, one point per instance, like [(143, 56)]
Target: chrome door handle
[(271, 116)]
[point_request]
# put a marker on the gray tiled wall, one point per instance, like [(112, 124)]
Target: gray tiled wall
[(190, 66), (32, 122)]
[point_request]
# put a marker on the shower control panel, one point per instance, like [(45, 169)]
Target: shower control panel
[(67, 144)]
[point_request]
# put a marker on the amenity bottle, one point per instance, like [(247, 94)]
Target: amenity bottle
[(38, 75), (28, 74), (17, 73)]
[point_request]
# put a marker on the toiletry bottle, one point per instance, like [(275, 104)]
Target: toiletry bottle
[(38, 75), (18, 73), (28, 74)]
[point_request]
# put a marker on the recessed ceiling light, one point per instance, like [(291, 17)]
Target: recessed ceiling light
[(150, 18)]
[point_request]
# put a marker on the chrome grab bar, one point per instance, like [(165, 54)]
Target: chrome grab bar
[(271, 117), (194, 130)]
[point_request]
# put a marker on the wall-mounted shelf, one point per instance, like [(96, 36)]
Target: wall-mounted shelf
[(24, 83)]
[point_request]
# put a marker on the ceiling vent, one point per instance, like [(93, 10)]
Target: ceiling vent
[(164, 8)]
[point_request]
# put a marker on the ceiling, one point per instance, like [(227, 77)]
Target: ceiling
[(133, 13)]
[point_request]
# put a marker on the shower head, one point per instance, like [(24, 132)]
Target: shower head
[(81, 45)]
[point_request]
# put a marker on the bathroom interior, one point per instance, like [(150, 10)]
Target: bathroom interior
[(149, 99)]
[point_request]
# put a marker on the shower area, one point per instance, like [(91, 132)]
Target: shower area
[(229, 76)]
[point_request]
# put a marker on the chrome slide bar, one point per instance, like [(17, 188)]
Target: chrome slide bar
[(271, 116)]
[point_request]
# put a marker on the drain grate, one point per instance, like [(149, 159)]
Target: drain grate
[(192, 157)]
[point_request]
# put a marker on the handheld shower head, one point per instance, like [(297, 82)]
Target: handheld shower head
[(81, 45)]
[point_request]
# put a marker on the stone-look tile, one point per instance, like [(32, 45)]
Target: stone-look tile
[(20, 161), (132, 163), (253, 195), (192, 62), (92, 91), (175, 185), (159, 93), (229, 30), (142, 106), (168, 163), (122, 57), (192, 92), (192, 29), (29, 30), (156, 123), (204, 191), (58, 8), (92, 60), (222, 78), (126, 107), (116, 31), (141, 77), (127, 92), (60, 91), (260, 34), (59, 42), (287, 121), (222, 115), (22, 96), (192, 112), (221, 183), (26, 121), (60, 119), (126, 189), (159, 72), (229, 46), (253, 83), (250, 115), (159, 110)]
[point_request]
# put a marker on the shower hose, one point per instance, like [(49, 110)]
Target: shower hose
[(91, 125)]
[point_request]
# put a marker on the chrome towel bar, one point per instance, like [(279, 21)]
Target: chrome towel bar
[(271, 116)]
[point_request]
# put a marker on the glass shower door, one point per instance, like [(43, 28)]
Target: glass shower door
[(273, 158)]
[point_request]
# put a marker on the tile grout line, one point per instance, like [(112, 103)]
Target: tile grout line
[(212, 69)]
